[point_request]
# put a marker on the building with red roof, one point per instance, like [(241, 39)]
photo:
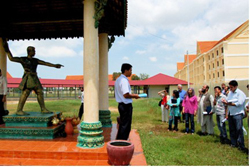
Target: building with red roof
[(219, 61), (150, 86)]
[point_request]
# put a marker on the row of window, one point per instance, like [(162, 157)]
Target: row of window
[(218, 74), (217, 53), (218, 64)]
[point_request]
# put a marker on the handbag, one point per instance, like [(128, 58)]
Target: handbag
[(160, 102)]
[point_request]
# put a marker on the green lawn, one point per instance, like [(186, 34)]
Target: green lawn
[(162, 147)]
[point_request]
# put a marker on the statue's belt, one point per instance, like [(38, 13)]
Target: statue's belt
[(30, 73)]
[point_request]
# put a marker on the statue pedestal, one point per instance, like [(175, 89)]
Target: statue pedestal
[(33, 126)]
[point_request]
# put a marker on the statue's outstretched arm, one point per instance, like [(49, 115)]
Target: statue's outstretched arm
[(7, 50), (49, 64)]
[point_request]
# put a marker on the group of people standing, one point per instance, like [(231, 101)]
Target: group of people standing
[(226, 104)]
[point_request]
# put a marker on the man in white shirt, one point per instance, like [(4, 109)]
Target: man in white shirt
[(236, 103), (81, 110), (3, 92), (124, 97)]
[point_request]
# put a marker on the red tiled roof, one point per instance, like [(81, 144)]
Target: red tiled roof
[(110, 77), (14, 82), (8, 75), (205, 46), (74, 77), (191, 58), (231, 33), (162, 79), (180, 66), (159, 79), (81, 77)]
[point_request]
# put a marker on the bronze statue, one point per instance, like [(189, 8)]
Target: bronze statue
[(30, 80)]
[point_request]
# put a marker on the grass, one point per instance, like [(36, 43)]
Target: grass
[(162, 147)]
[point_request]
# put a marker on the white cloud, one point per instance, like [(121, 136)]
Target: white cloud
[(153, 59), (49, 48), (140, 52), (125, 58)]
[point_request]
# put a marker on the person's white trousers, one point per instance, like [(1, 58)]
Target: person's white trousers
[(164, 114)]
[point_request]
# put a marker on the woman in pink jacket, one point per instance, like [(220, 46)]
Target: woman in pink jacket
[(190, 106)]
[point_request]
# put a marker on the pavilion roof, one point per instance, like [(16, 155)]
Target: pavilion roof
[(159, 79), (42, 19)]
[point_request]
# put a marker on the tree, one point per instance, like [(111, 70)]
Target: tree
[(116, 75), (135, 77), (144, 76)]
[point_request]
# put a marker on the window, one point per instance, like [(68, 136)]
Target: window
[(212, 55), (213, 65), (223, 73), (209, 67), (218, 64), (218, 74), (213, 75), (208, 57), (217, 53), (203, 59), (222, 50), (222, 61)]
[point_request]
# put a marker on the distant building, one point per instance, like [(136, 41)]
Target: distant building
[(220, 61), (81, 77), (8, 75)]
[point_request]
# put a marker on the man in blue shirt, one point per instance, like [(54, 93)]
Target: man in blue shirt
[(182, 94), (124, 97), (236, 102)]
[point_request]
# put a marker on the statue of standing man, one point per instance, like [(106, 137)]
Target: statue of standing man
[(30, 79)]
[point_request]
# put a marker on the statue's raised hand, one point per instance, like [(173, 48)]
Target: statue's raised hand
[(59, 65)]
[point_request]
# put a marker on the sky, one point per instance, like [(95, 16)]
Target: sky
[(158, 34)]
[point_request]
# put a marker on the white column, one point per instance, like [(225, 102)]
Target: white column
[(91, 64), (103, 72)]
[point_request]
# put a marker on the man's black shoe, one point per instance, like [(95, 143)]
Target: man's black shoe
[(244, 150)]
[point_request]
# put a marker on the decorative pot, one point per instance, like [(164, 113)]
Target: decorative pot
[(68, 127), (75, 122), (120, 152)]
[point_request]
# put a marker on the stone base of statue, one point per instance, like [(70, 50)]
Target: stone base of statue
[(90, 135), (105, 118), (33, 126)]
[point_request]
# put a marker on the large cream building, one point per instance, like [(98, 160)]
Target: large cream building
[(219, 62)]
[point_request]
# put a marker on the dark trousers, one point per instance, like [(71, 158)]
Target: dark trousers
[(125, 111), (175, 119), (221, 126), (191, 118), (81, 111), (1, 109), (183, 115), (235, 129)]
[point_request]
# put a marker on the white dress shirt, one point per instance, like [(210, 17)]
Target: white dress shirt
[(122, 87), (238, 98), (82, 97), (3, 85)]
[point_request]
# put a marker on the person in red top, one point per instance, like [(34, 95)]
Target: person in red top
[(164, 106)]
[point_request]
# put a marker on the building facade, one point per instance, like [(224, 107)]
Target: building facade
[(219, 62)]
